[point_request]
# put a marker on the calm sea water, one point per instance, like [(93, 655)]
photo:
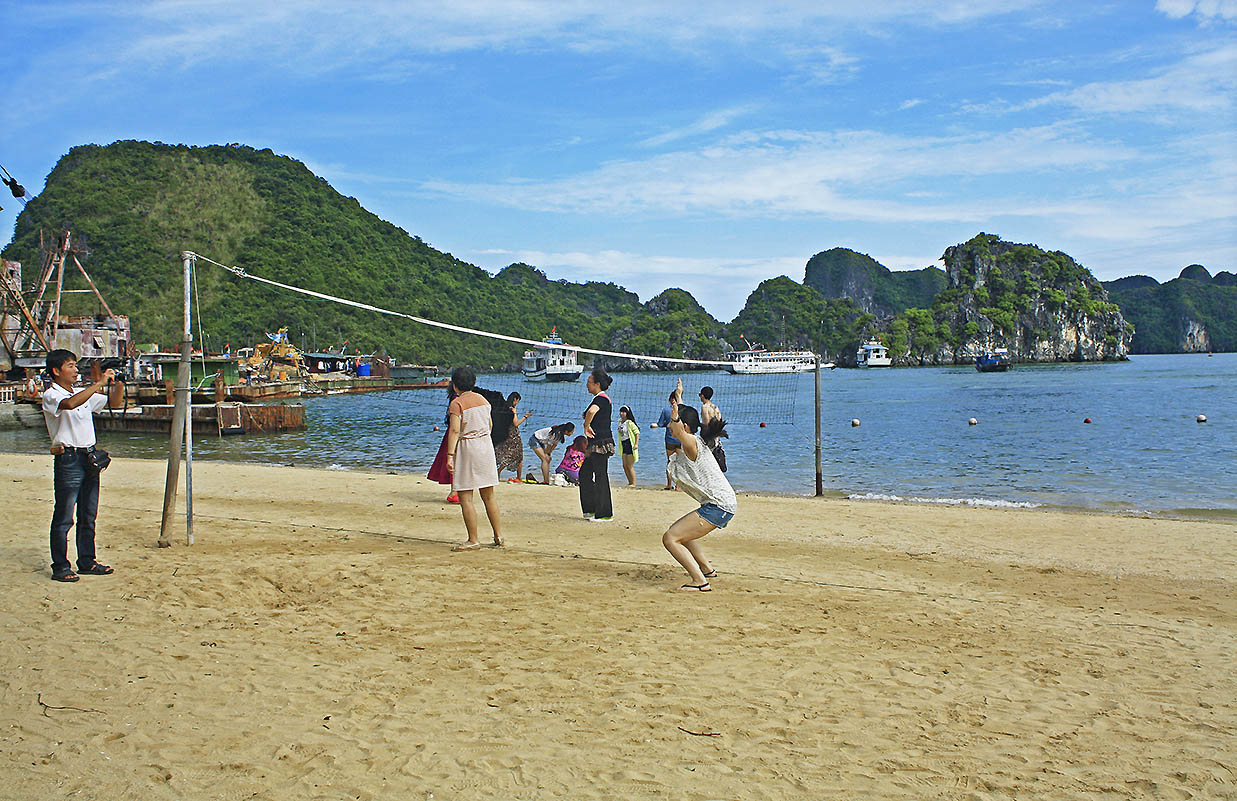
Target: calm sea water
[(1142, 452)]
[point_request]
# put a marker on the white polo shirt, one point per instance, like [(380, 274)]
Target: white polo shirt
[(73, 428)]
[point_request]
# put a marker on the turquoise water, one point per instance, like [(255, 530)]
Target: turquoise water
[(1142, 452)]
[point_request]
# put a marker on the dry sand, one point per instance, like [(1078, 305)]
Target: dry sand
[(321, 642)]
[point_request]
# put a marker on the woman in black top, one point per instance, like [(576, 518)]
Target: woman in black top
[(594, 478)]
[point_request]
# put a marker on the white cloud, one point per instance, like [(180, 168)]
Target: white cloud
[(321, 34), (909, 104), (1204, 9), (706, 124), (844, 175), (1202, 82)]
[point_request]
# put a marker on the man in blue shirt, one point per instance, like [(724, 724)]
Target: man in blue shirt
[(663, 421)]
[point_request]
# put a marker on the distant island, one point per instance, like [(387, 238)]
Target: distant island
[(137, 205), (1195, 312)]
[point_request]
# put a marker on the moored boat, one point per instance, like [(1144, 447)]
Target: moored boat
[(994, 361), (757, 360), (552, 361), (872, 354)]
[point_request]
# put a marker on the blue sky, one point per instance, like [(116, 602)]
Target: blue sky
[(705, 145)]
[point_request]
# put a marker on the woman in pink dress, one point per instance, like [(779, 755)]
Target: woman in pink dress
[(470, 456), (438, 470)]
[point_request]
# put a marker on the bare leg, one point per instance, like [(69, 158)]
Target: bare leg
[(545, 464), (491, 511), (669, 453), (693, 547), (629, 467), (679, 541), (470, 515)]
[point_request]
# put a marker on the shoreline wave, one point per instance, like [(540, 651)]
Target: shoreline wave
[(979, 502)]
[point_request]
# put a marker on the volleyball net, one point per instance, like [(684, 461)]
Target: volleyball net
[(641, 382)]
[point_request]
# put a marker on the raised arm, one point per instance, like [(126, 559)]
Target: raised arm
[(680, 432), (87, 393)]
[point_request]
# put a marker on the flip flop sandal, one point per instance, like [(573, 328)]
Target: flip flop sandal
[(96, 570), (696, 588), (70, 576), (710, 574), (468, 546)]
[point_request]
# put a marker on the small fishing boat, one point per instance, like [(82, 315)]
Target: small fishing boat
[(552, 361), (994, 361)]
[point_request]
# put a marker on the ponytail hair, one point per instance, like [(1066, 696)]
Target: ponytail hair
[(690, 418), (602, 378)]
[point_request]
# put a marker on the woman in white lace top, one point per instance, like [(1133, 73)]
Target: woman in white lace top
[(694, 470)]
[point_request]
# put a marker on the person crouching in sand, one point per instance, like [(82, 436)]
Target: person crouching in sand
[(694, 470), (470, 455)]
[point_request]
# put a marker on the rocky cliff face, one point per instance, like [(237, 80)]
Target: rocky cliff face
[(1043, 307), (1195, 337)]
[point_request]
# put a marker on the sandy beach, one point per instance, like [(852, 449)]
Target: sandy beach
[(320, 641)]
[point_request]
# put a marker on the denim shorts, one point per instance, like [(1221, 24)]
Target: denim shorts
[(535, 443), (715, 514)]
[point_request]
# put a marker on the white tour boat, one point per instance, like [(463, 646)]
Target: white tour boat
[(872, 354), (552, 361), (757, 360)]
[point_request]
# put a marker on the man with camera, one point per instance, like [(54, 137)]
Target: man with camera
[(69, 415)]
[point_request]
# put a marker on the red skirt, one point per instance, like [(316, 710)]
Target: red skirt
[(438, 470)]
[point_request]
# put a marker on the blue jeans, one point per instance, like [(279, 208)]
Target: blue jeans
[(76, 485), (715, 514)]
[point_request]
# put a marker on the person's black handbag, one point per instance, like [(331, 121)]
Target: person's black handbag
[(98, 460)]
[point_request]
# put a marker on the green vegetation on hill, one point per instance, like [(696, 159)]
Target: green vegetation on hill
[(140, 204), (1162, 314), (1015, 296), (781, 312), (843, 273), (671, 324)]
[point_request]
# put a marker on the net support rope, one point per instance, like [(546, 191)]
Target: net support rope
[(242, 273)]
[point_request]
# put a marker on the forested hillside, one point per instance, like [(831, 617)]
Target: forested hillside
[(1041, 305), (1195, 312), (138, 205), (873, 287)]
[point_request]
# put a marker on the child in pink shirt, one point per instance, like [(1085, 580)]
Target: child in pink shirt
[(572, 459)]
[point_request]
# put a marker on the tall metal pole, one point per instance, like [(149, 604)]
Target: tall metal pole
[(179, 415), (820, 485)]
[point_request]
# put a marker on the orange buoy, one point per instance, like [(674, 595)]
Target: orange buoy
[(1087, 420), (762, 425)]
